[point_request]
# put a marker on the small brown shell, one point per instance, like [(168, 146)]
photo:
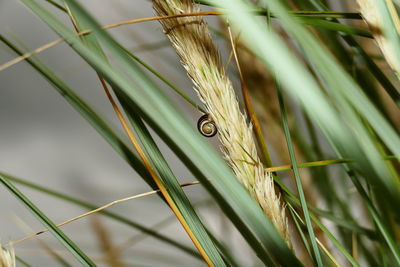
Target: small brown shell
[(206, 126)]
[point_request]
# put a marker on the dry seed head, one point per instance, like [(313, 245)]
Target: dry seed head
[(7, 257), (199, 56), (372, 16)]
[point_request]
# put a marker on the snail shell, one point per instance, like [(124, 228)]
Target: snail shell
[(206, 126)]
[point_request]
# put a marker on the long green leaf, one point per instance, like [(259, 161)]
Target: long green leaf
[(375, 215), (337, 27), (292, 155), (68, 244)]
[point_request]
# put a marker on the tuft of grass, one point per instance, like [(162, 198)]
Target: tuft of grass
[(332, 127)]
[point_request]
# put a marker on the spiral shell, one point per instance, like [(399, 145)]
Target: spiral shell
[(206, 126)]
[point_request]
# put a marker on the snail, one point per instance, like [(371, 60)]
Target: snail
[(206, 126)]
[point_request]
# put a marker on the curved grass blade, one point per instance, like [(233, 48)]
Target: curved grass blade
[(299, 229), (68, 244), (23, 262), (200, 157), (337, 27)]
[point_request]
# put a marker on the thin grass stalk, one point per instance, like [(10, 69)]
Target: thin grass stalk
[(93, 211), (49, 250), (317, 256), (192, 41)]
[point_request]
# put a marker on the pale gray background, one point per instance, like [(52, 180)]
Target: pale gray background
[(44, 140)]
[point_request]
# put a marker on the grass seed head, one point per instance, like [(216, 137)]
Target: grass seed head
[(199, 56)]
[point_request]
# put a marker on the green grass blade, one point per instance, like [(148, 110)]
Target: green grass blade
[(23, 262), (296, 172), (337, 27), (106, 213), (335, 242), (342, 222), (228, 257), (375, 215), (57, 5), (299, 229), (68, 244), (200, 157), (291, 198)]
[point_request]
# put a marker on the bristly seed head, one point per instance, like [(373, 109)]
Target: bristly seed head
[(375, 21), (199, 56), (7, 257)]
